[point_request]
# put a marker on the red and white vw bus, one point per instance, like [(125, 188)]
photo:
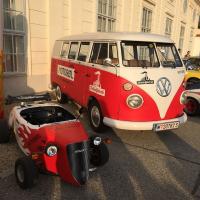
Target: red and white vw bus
[(131, 81)]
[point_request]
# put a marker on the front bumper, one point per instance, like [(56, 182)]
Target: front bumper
[(128, 125)]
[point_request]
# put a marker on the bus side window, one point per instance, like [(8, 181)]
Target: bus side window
[(113, 54), (84, 51), (64, 51), (73, 50), (103, 53), (99, 53), (95, 52)]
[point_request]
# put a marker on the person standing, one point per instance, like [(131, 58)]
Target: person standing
[(187, 55)]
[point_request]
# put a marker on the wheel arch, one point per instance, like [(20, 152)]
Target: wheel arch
[(90, 99), (192, 78)]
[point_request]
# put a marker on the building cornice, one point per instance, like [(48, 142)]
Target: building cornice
[(151, 2)]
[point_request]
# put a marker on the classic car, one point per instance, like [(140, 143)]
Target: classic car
[(192, 106), (53, 141)]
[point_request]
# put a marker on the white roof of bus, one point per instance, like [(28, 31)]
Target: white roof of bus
[(130, 36)]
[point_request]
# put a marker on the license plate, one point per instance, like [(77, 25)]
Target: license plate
[(165, 126)]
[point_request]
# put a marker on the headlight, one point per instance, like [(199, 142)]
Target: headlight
[(183, 98), (134, 101), (97, 141), (127, 86), (51, 150)]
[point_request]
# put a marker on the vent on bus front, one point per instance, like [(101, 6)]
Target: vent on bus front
[(78, 158)]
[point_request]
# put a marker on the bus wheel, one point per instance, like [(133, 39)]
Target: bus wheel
[(5, 132), (95, 117), (191, 106), (25, 172), (60, 97)]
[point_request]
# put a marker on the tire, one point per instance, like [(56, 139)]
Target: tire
[(191, 106), (95, 116), (191, 82), (60, 97), (5, 132), (99, 154), (25, 172)]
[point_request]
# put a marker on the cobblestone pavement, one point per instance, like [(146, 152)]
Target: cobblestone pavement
[(142, 165)]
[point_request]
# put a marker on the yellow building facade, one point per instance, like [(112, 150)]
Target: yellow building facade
[(30, 28)]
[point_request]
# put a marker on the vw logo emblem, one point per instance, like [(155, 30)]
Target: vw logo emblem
[(163, 87)]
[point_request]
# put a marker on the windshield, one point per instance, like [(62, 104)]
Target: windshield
[(145, 54), (168, 55), (139, 54)]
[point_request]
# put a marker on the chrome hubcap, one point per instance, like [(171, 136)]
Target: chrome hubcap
[(95, 116)]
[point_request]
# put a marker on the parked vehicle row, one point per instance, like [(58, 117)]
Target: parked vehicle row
[(131, 81), (192, 82), (192, 106)]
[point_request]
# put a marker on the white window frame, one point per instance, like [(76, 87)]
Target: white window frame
[(191, 39), (146, 22), (185, 5), (181, 38), (15, 32), (168, 26), (106, 21)]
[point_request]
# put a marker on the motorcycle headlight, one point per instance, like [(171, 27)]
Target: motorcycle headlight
[(134, 101), (51, 150), (97, 141), (183, 98)]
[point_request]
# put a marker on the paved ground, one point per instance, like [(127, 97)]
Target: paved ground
[(143, 165)]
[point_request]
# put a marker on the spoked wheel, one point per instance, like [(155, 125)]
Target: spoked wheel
[(191, 106), (25, 172), (60, 97), (95, 117)]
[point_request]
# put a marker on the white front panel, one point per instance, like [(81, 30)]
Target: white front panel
[(147, 80)]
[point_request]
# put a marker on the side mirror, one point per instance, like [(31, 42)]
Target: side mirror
[(107, 62)]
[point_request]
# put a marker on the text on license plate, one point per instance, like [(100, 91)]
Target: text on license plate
[(166, 126)]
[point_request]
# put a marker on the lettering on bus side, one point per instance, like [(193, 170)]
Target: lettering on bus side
[(65, 72)]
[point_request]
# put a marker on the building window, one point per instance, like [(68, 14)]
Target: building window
[(146, 20), (199, 23), (191, 39), (181, 38), (14, 35), (185, 5), (106, 15), (194, 14), (168, 27)]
